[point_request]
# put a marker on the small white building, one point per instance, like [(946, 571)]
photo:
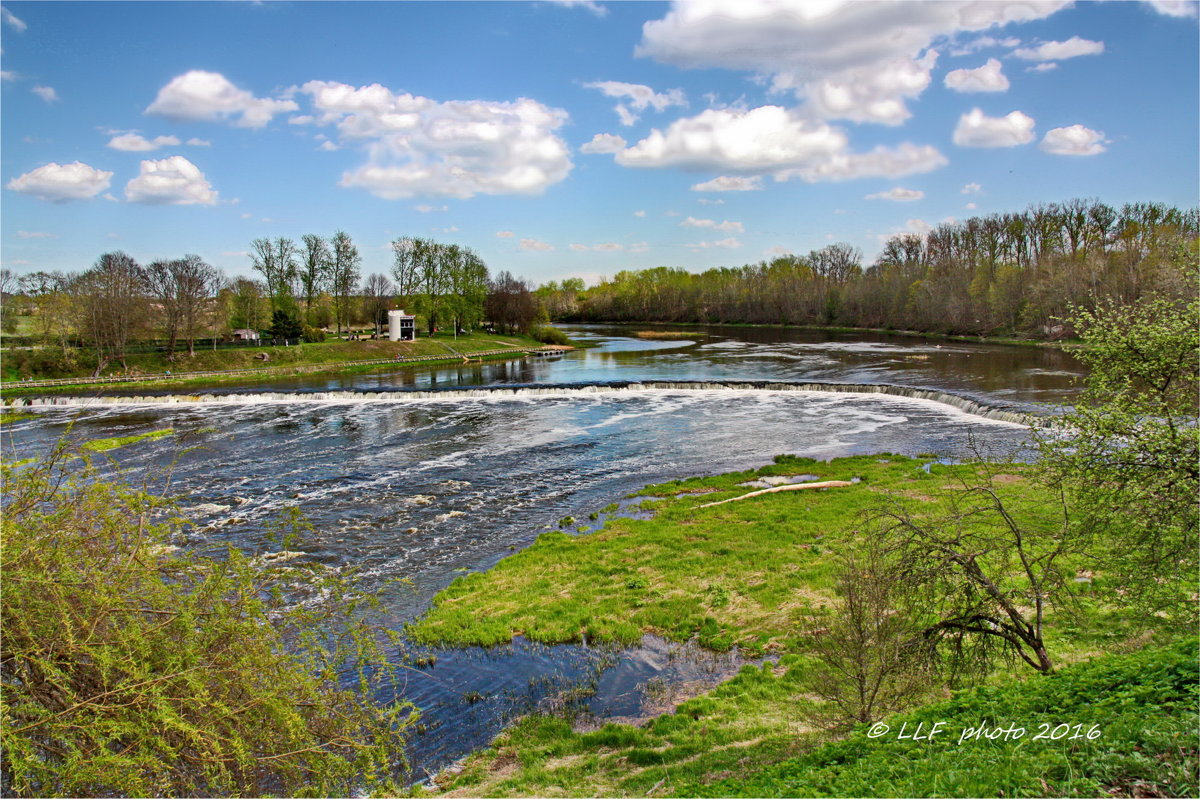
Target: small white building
[(245, 335), (401, 326)]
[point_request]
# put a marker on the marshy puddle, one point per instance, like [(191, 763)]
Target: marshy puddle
[(467, 695)]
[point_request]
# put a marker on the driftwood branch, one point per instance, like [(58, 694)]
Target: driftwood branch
[(793, 487)]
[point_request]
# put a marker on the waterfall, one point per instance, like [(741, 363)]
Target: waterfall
[(998, 412)]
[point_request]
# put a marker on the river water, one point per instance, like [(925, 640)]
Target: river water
[(430, 473)]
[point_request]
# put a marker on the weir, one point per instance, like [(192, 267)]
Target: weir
[(1002, 413)]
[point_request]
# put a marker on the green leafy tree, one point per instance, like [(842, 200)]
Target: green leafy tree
[(1127, 453)]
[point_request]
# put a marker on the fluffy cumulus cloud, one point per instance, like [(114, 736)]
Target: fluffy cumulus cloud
[(974, 129), (725, 226), (763, 138), (773, 140), (1175, 8), (61, 182), (590, 5), (897, 194), (209, 96), (881, 162), (987, 78), (47, 93), (636, 98), (417, 146), (504, 234), (971, 188), (603, 143), (850, 60), (730, 183), (1057, 51), (533, 245), (171, 181), (136, 143), (1073, 140)]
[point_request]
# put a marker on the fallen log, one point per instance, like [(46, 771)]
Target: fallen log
[(792, 487)]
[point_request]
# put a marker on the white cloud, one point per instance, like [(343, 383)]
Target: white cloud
[(61, 182), (637, 98), (8, 75), (1175, 8), (897, 194), (135, 143), (603, 143), (171, 181), (504, 234), (1045, 66), (970, 206), (193, 142), (639, 214), (917, 226), (708, 200), (235, 253), (1073, 140), (328, 146), (727, 244), (976, 130), (725, 226), (881, 162), (47, 93), (12, 21), (971, 188), (417, 146), (860, 61), (1057, 51), (209, 96), (451, 229), (777, 250), (33, 234), (428, 209), (533, 245), (770, 139), (609, 246), (987, 78), (590, 5), (638, 247), (728, 183), (763, 138)]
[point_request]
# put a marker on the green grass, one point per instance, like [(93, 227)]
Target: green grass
[(748, 738), (106, 444), (745, 573), (329, 352)]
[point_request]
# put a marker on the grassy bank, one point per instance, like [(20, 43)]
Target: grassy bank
[(49, 363), (748, 573), (758, 574), (1007, 339), (308, 359), (1136, 717)]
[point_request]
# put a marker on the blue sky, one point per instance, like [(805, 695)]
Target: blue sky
[(577, 138)]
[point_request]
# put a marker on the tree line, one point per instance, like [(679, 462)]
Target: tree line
[(304, 290), (1012, 273)]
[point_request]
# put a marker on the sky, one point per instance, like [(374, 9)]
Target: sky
[(579, 138)]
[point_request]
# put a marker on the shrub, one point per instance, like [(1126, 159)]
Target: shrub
[(133, 668), (313, 335), (549, 335)]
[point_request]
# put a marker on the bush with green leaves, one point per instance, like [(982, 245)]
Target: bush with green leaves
[(133, 667)]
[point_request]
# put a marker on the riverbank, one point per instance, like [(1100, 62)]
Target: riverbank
[(759, 574), (1063, 344), (308, 359)]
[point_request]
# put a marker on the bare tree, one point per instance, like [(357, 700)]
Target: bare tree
[(343, 275), (377, 300), (182, 289), (110, 299), (276, 261), (314, 267)]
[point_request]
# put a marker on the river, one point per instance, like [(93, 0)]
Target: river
[(429, 473)]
